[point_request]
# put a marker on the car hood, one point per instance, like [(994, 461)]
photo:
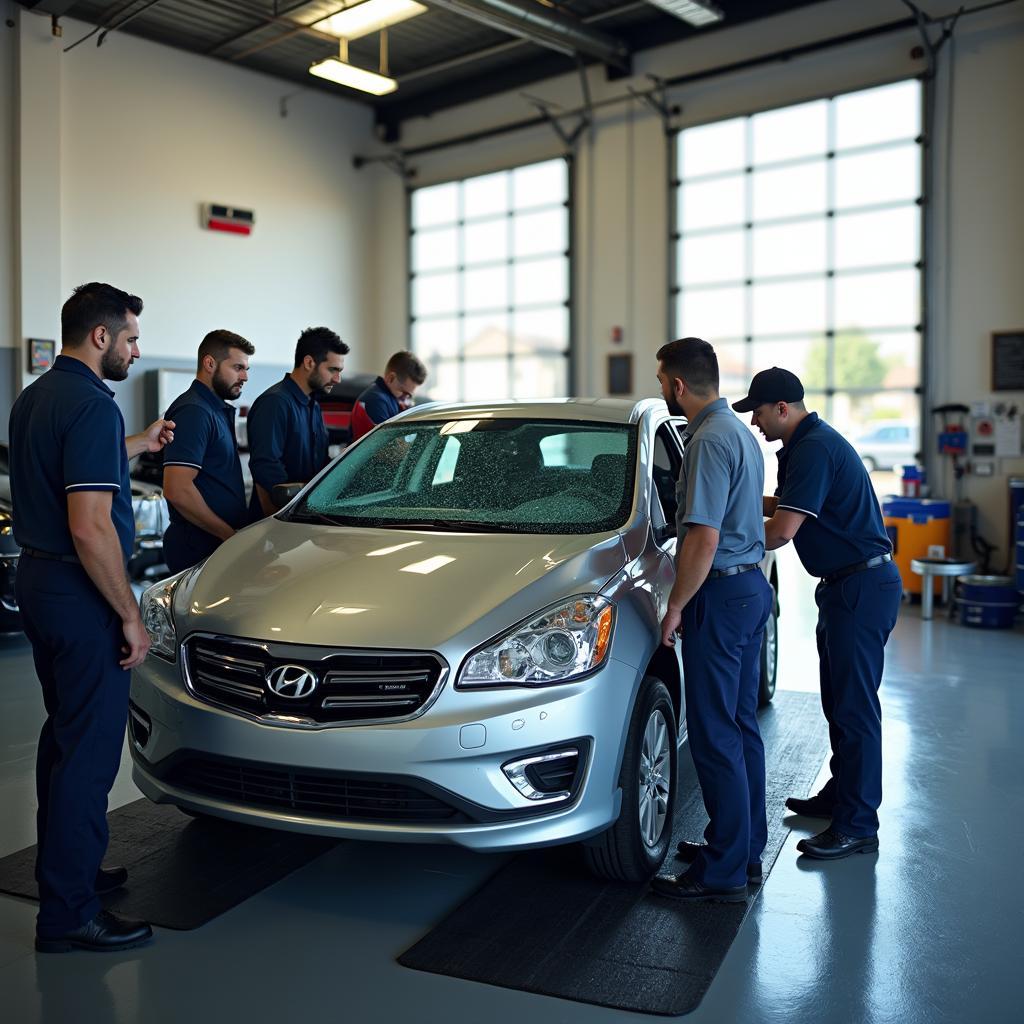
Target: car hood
[(397, 589)]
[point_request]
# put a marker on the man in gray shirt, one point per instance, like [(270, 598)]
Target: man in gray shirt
[(719, 605)]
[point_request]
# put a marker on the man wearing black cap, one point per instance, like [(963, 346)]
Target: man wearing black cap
[(825, 504)]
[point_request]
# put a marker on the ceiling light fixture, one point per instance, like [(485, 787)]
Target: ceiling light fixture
[(693, 12), (368, 16), (339, 70)]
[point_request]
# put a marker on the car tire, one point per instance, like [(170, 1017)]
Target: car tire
[(769, 656), (633, 849), (869, 463)]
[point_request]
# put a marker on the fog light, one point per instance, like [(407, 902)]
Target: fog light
[(546, 777), (140, 726)]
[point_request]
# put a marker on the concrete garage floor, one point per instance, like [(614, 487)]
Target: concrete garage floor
[(927, 931)]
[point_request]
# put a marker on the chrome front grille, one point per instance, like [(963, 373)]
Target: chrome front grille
[(353, 686)]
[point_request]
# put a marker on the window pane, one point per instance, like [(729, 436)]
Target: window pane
[(486, 287), (878, 115), (713, 147), (733, 368), (540, 281), (878, 300), (435, 250), (713, 204), (789, 249), (881, 177), (884, 428), (789, 307), (541, 330), (438, 204), (788, 191), (540, 184), (712, 313), (486, 240), (863, 360), (436, 338), (791, 132), (707, 259), (435, 293), (798, 355), (540, 233), (540, 377), (486, 379), (485, 336), (445, 380), (485, 195), (872, 239)]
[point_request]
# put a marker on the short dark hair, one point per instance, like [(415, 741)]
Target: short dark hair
[(317, 342), (693, 360), (219, 344), (95, 305), (407, 366)]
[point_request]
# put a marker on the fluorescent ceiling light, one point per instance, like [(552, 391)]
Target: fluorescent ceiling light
[(693, 12), (336, 70), (368, 16)]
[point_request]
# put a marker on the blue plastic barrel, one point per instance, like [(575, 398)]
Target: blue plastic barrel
[(987, 601)]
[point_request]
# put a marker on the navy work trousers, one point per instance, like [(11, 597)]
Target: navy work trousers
[(723, 626), (186, 545), (76, 644), (855, 617)]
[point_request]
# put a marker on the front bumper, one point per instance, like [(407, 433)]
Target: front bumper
[(452, 755)]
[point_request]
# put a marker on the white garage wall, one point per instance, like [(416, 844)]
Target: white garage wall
[(145, 134), (621, 275)]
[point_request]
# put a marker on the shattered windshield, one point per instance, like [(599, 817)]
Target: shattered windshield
[(502, 475)]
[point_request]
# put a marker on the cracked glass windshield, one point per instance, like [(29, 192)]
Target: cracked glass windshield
[(505, 475)]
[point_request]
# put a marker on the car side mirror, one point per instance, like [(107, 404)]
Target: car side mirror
[(283, 493)]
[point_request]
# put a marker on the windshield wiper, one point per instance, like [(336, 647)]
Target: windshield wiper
[(452, 525), (318, 517)]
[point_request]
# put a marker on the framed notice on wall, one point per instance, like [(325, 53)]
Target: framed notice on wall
[(41, 352), (1008, 360), (620, 374)]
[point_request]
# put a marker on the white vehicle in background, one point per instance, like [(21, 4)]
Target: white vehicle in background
[(888, 445)]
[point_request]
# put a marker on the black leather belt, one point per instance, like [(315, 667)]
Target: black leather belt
[(871, 563), (49, 556), (733, 570)]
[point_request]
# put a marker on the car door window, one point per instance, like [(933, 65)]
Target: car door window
[(665, 473)]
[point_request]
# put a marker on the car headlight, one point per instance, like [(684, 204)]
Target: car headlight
[(563, 642), (158, 618)]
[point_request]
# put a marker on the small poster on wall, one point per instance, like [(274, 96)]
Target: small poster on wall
[(41, 352), (1008, 360)]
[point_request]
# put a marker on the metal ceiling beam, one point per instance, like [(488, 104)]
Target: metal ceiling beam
[(544, 26)]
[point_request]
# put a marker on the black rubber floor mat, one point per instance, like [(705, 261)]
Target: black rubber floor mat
[(542, 925), (182, 872)]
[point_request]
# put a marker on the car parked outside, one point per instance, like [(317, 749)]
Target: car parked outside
[(450, 635), (888, 445)]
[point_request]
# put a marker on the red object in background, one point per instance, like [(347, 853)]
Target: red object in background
[(617, 335), (230, 219), (234, 229)]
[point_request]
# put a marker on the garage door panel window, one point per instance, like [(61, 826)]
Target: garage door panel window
[(798, 244), (488, 253)]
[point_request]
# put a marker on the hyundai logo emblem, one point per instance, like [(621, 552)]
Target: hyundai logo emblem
[(291, 681)]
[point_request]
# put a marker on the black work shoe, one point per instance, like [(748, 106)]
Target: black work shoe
[(813, 807), (109, 879), (832, 845), (105, 933), (687, 853), (682, 887)]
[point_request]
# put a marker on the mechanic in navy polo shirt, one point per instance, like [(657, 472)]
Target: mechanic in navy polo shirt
[(826, 505), (719, 604), (387, 396), (202, 472), (69, 481), (287, 435)]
